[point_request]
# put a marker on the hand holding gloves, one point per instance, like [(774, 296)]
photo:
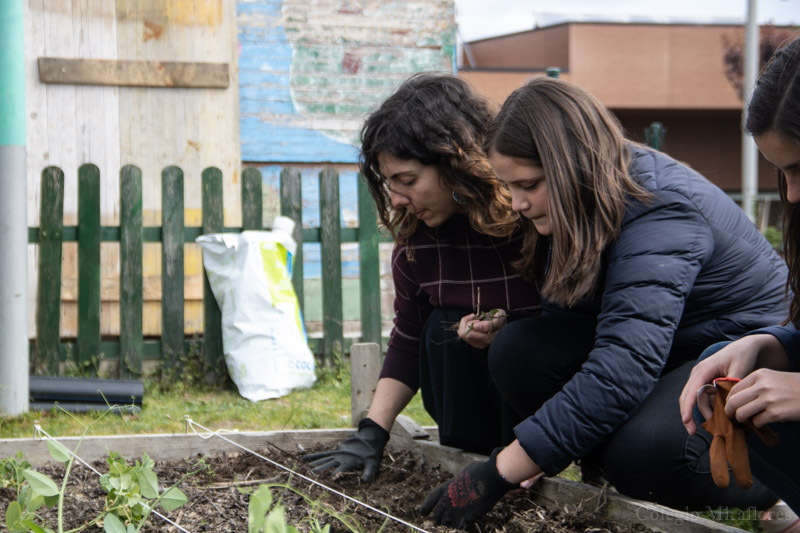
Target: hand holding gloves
[(729, 446)]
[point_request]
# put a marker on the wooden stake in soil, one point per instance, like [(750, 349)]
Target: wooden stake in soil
[(365, 367)]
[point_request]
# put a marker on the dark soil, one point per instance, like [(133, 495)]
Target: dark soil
[(218, 498)]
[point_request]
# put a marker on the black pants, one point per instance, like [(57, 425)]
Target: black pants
[(649, 457), (457, 390)]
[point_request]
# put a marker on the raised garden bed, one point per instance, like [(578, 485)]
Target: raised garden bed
[(414, 464)]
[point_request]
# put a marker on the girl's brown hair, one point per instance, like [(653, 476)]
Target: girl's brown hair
[(438, 120), (775, 107), (580, 145)]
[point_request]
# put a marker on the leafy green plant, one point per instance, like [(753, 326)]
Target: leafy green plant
[(775, 237), (81, 368), (190, 370), (21, 514), (11, 469), (132, 493), (334, 370), (263, 516)]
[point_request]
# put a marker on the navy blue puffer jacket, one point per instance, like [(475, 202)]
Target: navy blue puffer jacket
[(687, 270)]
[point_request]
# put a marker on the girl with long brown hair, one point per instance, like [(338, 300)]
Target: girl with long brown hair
[(641, 263)]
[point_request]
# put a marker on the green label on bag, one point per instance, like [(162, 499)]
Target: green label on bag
[(277, 260)]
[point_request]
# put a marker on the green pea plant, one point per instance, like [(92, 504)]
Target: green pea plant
[(132, 491), (268, 516), (132, 494), (21, 514)]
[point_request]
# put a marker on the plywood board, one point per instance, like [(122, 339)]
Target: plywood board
[(133, 73)]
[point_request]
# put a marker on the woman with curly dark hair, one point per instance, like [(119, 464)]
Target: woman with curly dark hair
[(455, 240)]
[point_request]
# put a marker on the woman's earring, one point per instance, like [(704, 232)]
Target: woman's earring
[(458, 199)]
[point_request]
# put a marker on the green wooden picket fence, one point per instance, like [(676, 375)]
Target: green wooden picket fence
[(48, 349)]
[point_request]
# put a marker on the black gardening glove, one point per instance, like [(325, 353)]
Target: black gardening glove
[(362, 451), (468, 496)]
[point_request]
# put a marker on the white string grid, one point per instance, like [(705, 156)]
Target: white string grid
[(210, 433)]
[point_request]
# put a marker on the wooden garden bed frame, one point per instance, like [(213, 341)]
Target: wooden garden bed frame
[(551, 492)]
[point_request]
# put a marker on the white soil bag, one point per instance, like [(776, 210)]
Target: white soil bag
[(263, 335)]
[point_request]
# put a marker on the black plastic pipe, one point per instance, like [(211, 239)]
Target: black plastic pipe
[(86, 390)]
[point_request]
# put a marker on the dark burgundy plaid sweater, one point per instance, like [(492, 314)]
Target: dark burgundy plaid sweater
[(449, 264)]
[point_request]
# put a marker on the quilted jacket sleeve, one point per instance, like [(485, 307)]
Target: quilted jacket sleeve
[(650, 272)]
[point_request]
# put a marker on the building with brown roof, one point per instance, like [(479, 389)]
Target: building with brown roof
[(670, 73)]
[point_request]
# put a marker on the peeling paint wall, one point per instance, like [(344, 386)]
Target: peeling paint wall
[(310, 70)]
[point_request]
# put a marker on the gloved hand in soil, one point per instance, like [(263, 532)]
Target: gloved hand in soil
[(729, 446), (468, 496), (362, 451)]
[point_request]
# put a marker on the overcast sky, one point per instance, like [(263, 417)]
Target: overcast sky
[(478, 19)]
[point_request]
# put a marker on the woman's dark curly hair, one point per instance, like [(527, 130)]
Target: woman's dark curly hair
[(438, 120)]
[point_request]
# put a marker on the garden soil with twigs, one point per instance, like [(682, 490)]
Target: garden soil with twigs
[(218, 498)]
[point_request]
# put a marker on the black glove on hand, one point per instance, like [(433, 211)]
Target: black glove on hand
[(361, 451), (469, 495)]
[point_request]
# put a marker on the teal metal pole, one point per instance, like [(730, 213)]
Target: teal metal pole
[(13, 216)]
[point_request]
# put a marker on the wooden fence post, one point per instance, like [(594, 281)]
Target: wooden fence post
[(48, 297), (212, 317), (88, 264), (172, 278), (331, 258), (292, 207), (130, 287), (252, 200), (369, 265), (365, 367)]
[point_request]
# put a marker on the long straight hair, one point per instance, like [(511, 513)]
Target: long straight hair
[(438, 120), (580, 145), (775, 108)]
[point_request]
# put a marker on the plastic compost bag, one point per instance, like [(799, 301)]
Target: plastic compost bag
[(263, 335)]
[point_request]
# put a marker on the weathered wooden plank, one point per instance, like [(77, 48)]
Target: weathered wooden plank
[(131, 286), (172, 446), (252, 200), (88, 264), (212, 318), (369, 265), (292, 207), (554, 493), (365, 367), (172, 280), (133, 73), (48, 312), (331, 255)]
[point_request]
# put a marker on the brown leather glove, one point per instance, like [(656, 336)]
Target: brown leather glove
[(729, 446)]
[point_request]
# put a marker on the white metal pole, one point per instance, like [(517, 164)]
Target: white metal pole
[(749, 150), (13, 216)]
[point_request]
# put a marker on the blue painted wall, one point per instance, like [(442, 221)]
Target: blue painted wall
[(310, 71)]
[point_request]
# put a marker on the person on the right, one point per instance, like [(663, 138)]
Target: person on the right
[(768, 360)]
